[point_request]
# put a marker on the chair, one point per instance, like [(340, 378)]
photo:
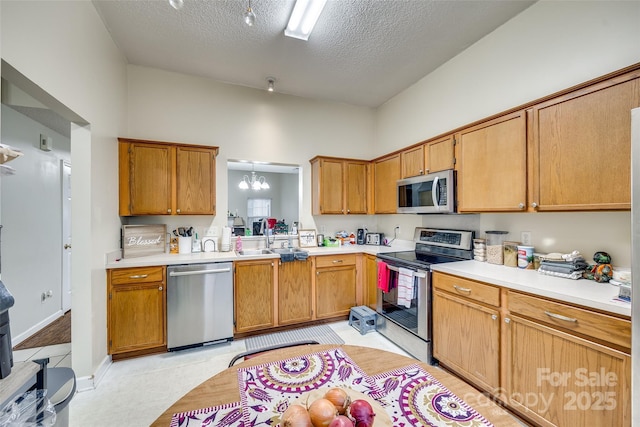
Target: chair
[(247, 354)]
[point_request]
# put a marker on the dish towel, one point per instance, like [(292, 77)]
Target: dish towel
[(405, 287), (383, 276)]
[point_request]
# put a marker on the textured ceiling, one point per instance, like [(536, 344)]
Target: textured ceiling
[(361, 52)]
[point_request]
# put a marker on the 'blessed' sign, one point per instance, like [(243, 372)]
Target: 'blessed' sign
[(143, 240)]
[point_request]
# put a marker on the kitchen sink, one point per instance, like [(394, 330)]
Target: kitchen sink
[(290, 254), (254, 252)]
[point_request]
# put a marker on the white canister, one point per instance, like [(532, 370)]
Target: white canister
[(184, 244), (525, 257)]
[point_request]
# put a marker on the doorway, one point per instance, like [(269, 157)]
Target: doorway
[(66, 236)]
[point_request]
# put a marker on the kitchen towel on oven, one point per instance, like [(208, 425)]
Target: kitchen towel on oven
[(383, 276), (405, 287)]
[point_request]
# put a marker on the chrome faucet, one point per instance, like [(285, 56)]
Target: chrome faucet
[(265, 231)]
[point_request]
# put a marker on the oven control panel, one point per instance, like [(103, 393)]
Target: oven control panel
[(458, 239)]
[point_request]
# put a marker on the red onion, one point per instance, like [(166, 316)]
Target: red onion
[(361, 411), (341, 421)]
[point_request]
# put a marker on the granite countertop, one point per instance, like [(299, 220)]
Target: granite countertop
[(582, 292)]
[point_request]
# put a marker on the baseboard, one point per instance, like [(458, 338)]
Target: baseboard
[(15, 340), (91, 382)]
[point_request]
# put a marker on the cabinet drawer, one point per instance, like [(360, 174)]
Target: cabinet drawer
[(137, 275), (335, 260), (585, 322), (467, 288)]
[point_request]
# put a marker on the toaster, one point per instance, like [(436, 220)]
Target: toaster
[(374, 239)]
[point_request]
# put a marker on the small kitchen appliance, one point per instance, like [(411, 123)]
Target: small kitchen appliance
[(374, 239), (405, 320), (360, 236)]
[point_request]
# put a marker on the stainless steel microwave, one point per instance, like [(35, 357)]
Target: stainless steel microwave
[(432, 193)]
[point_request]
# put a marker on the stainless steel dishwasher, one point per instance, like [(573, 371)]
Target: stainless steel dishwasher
[(199, 304)]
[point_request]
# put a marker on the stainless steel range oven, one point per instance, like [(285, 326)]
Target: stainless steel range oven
[(404, 287)]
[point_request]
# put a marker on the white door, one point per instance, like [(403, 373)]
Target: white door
[(66, 236)]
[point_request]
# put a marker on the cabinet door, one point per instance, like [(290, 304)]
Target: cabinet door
[(253, 296), (335, 291), (370, 281), (195, 181), (492, 172), (294, 292), (439, 155), (356, 187), (386, 173), (136, 314), (149, 179), (331, 185), (413, 162), (557, 379), (466, 338), (582, 142)]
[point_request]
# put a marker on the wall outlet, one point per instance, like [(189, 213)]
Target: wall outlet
[(525, 238)]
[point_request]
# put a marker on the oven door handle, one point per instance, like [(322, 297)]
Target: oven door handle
[(415, 273)]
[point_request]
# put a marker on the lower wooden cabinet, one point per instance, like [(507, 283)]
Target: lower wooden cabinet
[(467, 338), (370, 281), (136, 310), (560, 371), (254, 283), (553, 363), (294, 292), (335, 285)]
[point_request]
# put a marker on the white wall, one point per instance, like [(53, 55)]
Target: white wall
[(31, 212), (550, 46), (246, 124), (83, 70)]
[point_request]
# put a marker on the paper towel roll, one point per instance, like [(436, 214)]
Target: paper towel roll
[(225, 242)]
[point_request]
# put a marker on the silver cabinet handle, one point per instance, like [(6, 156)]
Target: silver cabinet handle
[(139, 276), (561, 317), (521, 205), (507, 320), (160, 288), (494, 317), (177, 210), (461, 289), (337, 261), (168, 210), (198, 272), (534, 205)]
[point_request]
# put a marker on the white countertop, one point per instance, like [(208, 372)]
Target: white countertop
[(204, 257), (583, 292)]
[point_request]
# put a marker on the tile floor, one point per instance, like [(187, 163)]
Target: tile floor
[(135, 392)]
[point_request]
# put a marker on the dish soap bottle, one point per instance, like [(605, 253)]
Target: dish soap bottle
[(238, 244)]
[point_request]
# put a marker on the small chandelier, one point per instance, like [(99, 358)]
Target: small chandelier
[(255, 183)]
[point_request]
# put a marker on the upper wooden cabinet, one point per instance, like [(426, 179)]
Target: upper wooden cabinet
[(159, 178), (581, 147), (339, 186), (432, 156), (492, 160), (386, 173)]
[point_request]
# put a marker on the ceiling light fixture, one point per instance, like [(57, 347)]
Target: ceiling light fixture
[(176, 4), (271, 84), (303, 18), (255, 183), (248, 16)]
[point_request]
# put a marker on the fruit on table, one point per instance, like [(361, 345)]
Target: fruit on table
[(361, 411), (322, 412), (339, 398)]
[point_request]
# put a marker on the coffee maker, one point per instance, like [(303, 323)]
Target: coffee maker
[(361, 236)]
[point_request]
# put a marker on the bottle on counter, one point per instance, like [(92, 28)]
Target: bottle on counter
[(238, 244)]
